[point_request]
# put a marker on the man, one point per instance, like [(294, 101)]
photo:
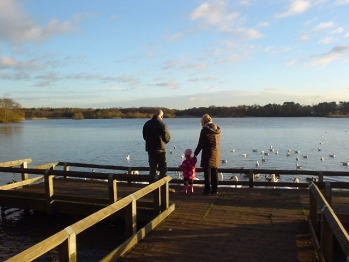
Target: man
[(156, 136)]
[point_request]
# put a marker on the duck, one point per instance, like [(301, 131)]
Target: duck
[(232, 150), (345, 163), (298, 166), (332, 155), (319, 149), (322, 158), (257, 163), (311, 179), (305, 156), (297, 158), (296, 180), (224, 161), (263, 159), (288, 154), (171, 152), (244, 155), (254, 150), (297, 151)]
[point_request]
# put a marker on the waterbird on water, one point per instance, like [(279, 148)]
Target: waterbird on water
[(332, 155), (322, 158), (128, 158), (257, 164), (298, 166), (224, 161)]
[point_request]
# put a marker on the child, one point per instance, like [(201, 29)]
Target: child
[(188, 167)]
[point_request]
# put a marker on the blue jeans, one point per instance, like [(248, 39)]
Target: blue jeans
[(211, 180), (157, 162)]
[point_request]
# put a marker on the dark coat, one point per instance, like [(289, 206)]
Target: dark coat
[(209, 143), (155, 134)]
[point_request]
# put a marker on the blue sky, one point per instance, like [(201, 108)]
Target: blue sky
[(176, 54)]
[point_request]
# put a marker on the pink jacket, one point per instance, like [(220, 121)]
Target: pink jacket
[(188, 167)]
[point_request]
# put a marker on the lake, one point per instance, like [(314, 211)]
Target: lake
[(109, 141)]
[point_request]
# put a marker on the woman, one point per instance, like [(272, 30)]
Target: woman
[(209, 143)]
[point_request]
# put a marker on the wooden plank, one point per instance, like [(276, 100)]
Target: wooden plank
[(21, 183), (46, 166), (15, 162), (132, 241)]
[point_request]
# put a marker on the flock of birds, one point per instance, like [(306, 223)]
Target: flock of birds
[(288, 154)]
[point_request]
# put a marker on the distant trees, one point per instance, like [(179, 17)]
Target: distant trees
[(10, 111), (287, 109)]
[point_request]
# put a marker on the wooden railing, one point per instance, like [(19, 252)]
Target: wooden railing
[(325, 225), (66, 242)]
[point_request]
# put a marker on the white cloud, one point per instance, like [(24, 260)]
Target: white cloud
[(11, 63), (174, 37), (304, 38), (346, 35), (218, 15), (327, 40), (339, 30), (323, 26), (342, 2), (18, 27), (334, 54), (296, 7)]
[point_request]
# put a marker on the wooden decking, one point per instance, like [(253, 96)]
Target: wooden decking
[(236, 225)]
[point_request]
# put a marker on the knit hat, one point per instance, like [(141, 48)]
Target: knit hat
[(188, 152)]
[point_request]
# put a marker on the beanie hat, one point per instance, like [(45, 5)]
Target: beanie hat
[(188, 152)]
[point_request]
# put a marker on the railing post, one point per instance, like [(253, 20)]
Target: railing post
[(65, 168), (165, 199), (157, 201), (313, 214), (328, 192), (321, 176), (251, 178), (131, 218), (24, 175), (49, 191), (67, 250), (112, 189), (326, 238)]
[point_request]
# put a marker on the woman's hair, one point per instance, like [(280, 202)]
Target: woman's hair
[(205, 119)]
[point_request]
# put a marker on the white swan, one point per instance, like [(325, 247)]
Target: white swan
[(271, 178)]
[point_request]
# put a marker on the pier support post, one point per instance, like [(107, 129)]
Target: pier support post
[(251, 178), (48, 191), (67, 250), (24, 175), (131, 218), (112, 189)]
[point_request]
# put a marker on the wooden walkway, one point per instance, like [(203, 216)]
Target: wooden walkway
[(236, 225)]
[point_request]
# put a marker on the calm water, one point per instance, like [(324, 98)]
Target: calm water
[(109, 141)]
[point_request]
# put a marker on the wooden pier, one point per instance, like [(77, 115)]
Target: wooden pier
[(239, 224)]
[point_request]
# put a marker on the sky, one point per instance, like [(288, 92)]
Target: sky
[(177, 54)]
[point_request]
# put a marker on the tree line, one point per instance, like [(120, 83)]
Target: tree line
[(11, 111)]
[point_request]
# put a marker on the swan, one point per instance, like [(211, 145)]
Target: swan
[(128, 158), (271, 178)]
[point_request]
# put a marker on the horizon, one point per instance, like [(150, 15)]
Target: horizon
[(175, 54)]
